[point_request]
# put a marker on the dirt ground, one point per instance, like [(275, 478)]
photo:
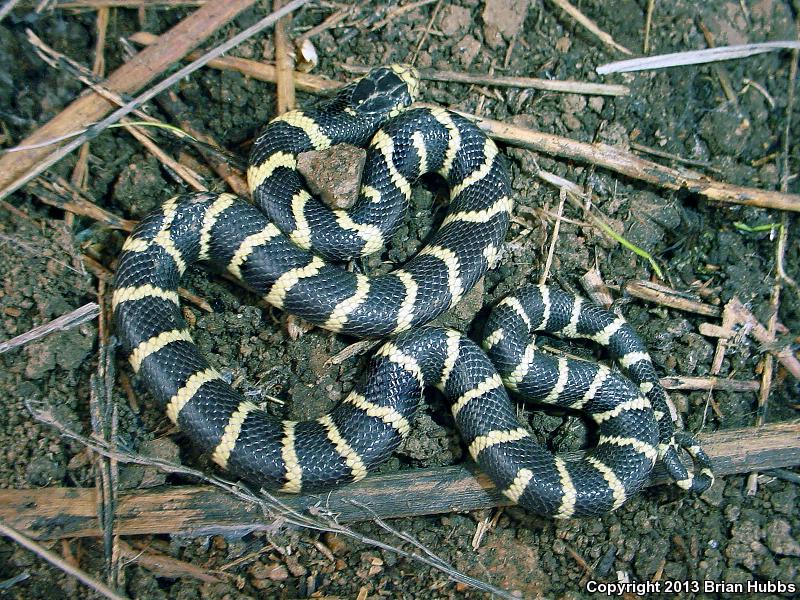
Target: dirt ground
[(661, 534)]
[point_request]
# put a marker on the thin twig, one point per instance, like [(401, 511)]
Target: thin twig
[(549, 85), (674, 157), (284, 64), (721, 72), (694, 57), (709, 383), (55, 193), (648, 22), (777, 285), (665, 296), (148, 95), (128, 78), (271, 506), (304, 82), (430, 558), (590, 25), (7, 8), (59, 562), (95, 4), (426, 32), (578, 199), (628, 164), (72, 319), (562, 197), (329, 23)]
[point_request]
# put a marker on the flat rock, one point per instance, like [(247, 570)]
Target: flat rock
[(503, 18), (334, 175), (454, 18)]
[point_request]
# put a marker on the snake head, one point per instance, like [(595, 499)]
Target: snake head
[(384, 91)]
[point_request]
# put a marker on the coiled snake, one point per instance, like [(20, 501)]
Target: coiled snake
[(286, 247)]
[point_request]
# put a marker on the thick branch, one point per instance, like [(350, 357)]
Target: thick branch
[(130, 77), (71, 512)]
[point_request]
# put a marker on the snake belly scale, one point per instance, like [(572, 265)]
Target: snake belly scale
[(287, 247)]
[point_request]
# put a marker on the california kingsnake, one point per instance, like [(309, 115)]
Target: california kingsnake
[(272, 255)]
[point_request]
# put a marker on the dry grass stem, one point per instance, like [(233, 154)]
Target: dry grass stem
[(191, 178), (625, 163), (329, 23), (719, 70), (215, 156), (673, 157), (213, 7), (66, 196), (562, 198), (7, 7), (665, 296), (272, 508), (694, 57), (59, 562), (549, 85), (304, 82), (284, 64), (98, 4), (424, 36), (590, 26), (65, 322), (648, 23), (709, 383)]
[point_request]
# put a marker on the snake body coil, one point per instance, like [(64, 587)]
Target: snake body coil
[(285, 250)]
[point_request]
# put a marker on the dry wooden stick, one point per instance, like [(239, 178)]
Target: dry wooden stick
[(59, 562), (741, 315), (719, 70), (661, 294), (777, 284), (203, 510), (250, 68), (694, 57), (426, 32), (80, 173), (164, 565), (128, 3), (648, 22), (709, 383), (284, 64), (329, 23), (55, 193), (134, 74), (550, 85), (590, 25), (635, 167), (7, 7), (72, 319), (209, 149)]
